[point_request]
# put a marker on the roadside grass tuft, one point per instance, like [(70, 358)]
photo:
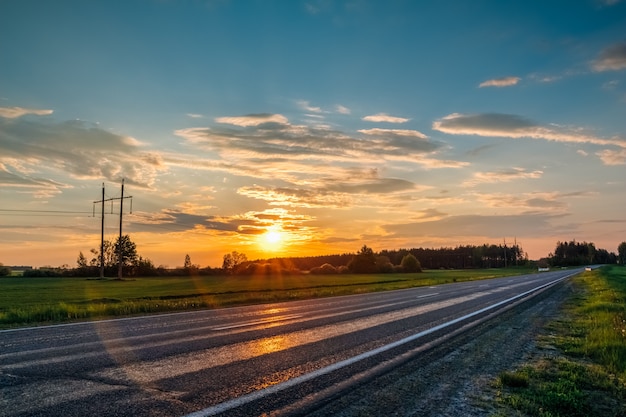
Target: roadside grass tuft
[(588, 376), (513, 379)]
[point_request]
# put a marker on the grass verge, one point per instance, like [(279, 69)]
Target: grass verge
[(586, 373), (28, 301)]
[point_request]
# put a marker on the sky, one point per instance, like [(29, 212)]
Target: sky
[(309, 127)]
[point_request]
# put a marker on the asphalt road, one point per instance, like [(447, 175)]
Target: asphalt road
[(236, 361)]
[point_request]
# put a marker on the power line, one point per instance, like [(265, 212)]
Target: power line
[(44, 211)]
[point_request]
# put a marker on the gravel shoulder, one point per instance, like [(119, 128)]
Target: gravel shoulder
[(456, 379)]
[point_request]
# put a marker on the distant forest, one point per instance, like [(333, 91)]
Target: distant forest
[(461, 257)]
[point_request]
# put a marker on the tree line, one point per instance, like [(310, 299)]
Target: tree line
[(583, 253), (363, 261)]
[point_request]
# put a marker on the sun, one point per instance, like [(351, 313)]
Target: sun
[(272, 240), (273, 237)]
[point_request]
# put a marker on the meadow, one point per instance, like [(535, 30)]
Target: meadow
[(30, 301)]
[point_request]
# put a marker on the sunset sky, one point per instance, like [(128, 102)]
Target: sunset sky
[(309, 127)]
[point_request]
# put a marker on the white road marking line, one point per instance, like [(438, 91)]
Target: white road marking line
[(248, 398)]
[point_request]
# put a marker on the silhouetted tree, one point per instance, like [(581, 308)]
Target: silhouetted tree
[(233, 260), (127, 250), (621, 253), (364, 262), (81, 262)]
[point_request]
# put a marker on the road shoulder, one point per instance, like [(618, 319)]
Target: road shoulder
[(456, 379)]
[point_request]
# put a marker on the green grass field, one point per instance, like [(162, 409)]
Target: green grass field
[(27, 301), (589, 377)]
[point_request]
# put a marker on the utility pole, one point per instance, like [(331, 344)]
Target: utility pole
[(119, 241), (102, 237), (119, 249)]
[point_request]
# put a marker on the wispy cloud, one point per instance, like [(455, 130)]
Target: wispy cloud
[(544, 201), (500, 82), (385, 118), (532, 201), (252, 119), (76, 148), (502, 176), (548, 78), (39, 187), (342, 109), (314, 167), (513, 126), (613, 157), (363, 188), (15, 112), (480, 226), (306, 106), (612, 58), (195, 115), (285, 142), (394, 132)]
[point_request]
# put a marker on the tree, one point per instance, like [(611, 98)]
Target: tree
[(81, 262), (364, 262), (112, 252), (110, 258), (143, 267), (190, 268), (127, 250), (5, 271), (621, 253), (410, 263), (233, 260)]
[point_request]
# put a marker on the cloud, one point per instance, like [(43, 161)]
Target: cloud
[(500, 82), (195, 115), (395, 132), (613, 157), (178, 221), (281, 142), (304, 166), (15, 112), (502, 176), (479, 226), (383, 117), (250, 223), (513, 126), (342, 189), (39, 187), (549, 78), (342, 109), (612, 58), (305, 105), (297, 197), (610, 85), (81, 150), (253, 119)]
